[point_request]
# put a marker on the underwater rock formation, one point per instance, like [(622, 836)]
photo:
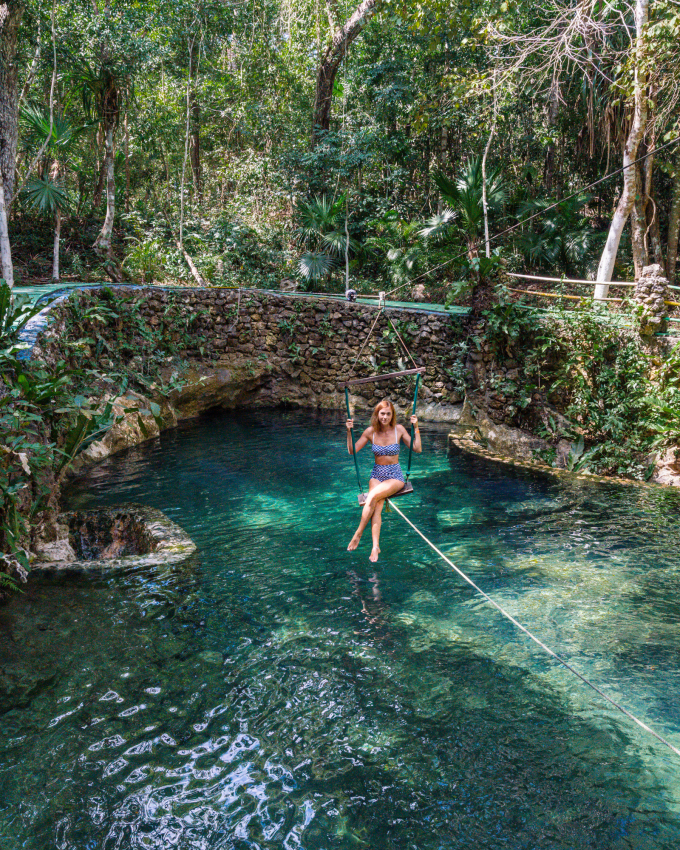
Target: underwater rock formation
[(114, 537)]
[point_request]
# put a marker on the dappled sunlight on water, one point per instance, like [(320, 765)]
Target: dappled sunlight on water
[(276, 691)]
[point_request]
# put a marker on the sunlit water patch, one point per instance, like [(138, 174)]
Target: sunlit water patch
[(276, 691)]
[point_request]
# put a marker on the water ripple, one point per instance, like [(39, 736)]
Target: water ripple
[(275, 691)]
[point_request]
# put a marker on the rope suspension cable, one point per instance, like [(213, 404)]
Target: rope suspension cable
[(536, 215), (533, 637)]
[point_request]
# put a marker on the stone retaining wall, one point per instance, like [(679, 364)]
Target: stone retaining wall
[(298, 350)]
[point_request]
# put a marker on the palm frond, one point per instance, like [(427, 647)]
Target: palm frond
[(449, 189), (46, 196), (437, 227), (315, 264), (336, 243), (37, 121)]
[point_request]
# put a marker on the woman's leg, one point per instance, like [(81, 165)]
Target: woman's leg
[(377, 491), (376, 522)]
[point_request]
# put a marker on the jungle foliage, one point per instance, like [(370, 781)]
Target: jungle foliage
[(187, 129)]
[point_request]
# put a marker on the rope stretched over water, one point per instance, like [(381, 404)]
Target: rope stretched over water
[(533, 637)]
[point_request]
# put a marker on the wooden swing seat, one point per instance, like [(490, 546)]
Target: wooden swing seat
[(405, 490), (373, 378)]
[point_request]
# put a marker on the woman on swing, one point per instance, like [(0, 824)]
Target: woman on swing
[(387, 477)]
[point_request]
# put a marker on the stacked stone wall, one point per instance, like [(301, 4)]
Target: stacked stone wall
[(307, 346)]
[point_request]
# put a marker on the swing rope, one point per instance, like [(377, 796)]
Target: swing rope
[(351, 433), (368, 336), (533, 637), (403, 344), (413, 428)]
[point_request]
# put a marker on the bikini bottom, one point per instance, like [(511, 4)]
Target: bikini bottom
[(387, 472)]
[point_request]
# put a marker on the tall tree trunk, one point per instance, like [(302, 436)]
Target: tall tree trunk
[(196, 147), (673, 225), (127, 162), (103, 242), (443, 149), (606, 268), (99, 186), (638, 226), (195, 110), (652, 229), (551, 151), (10, 18), (5, 246), (487, 148), (57, 243), (328, 69)]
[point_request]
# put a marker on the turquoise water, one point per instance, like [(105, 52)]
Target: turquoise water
[(276, 691)]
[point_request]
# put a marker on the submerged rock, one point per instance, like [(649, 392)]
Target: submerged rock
[(114, 537), (209, 656)]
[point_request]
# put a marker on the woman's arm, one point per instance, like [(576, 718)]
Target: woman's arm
[(363, 439), (406, 437)]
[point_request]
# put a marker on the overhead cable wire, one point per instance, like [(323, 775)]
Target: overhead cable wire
[(536, 215), (533, 637)]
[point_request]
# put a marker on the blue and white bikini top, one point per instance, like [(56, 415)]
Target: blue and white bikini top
[(381, 451)]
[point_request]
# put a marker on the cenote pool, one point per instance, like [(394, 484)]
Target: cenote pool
[(276, 691)]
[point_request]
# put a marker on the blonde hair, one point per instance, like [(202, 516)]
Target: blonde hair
[(381, 405)]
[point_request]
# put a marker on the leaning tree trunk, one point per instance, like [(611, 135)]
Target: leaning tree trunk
[(103, 242), (335, 53), (606, 268)]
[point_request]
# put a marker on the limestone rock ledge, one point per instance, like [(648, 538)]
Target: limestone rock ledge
[(113, 538), (667, 470), (202, 388), (474, 424), (237, 383)]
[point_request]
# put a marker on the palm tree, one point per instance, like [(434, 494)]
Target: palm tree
[(102, 89), (46, 193), (321, 230), (464, 197), (562, 238)]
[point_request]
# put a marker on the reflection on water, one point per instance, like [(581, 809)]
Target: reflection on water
[(276, 691)]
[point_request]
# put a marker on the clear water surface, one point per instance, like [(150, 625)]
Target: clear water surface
[(276, 691)]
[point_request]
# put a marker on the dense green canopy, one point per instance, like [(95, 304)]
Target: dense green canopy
[(182, 138)]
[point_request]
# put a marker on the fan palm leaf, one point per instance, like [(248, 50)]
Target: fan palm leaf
[(62, 134), (46, 196), (315, 265), (437, 227), (336, 242)]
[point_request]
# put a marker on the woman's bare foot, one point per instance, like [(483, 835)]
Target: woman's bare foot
[(354, 542), (375, 551)]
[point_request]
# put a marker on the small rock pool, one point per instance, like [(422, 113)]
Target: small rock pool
[(276, 691)]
